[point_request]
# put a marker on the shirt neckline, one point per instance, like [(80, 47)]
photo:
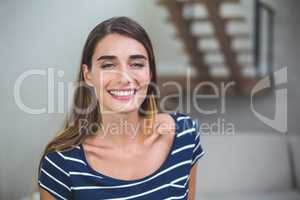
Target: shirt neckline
[(162, 166)]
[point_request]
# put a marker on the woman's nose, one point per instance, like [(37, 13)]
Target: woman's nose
[(124, 75)]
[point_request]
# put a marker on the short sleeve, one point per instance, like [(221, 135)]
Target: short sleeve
[(198, 151), (54, 176)]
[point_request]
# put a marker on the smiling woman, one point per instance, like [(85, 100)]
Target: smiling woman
[(97, 156), (120, 73)]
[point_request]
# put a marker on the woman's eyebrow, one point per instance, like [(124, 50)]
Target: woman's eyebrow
[(138, 56), (106, 57), (111, 57)]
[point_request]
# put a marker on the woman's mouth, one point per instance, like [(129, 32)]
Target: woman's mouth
[(122, 95)]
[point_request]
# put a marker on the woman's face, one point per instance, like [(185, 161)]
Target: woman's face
[(120, 73)]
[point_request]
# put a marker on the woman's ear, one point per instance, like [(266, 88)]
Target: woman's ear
[(87, 75)]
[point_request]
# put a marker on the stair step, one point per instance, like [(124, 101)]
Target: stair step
[(240, 35), (226, 19), (209, 43), (244, 51), (194, 11), (238, 27), (246, 64), (212, 51), (235, 35), (222, 64), (245, 58), (237, 51), (206, 36), (198, 29), (209, 58), (201, 1), (219, 71), (249, 71), (241, 43), (232, 9)]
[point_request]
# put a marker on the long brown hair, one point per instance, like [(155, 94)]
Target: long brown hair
[(71, 135)]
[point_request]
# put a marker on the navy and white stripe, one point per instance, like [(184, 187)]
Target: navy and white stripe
[(67, 175)]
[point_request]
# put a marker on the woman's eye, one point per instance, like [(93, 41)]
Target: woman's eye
[(137, 65), (107, 65)]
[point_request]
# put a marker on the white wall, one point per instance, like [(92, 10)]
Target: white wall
[(38, 35)]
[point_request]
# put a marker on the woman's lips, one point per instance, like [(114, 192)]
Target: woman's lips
[(122, 95)]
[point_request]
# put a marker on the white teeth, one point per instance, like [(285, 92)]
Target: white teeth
[(122, 93)]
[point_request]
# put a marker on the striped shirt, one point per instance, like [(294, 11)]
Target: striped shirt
[(67, 174)]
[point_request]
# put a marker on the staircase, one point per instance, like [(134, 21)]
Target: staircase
[(184, 15)]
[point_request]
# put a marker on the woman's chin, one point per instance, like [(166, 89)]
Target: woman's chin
[(116, 110)]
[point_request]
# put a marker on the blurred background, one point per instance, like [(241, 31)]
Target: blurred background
[(252, 147)]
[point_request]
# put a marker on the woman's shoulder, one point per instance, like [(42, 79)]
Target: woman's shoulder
[(178, 117), (174, 114), (68, 151), (187, 137), (182, 122), (62, 158), (55, 172)]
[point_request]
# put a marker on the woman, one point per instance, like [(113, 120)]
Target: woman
[(116, 145)]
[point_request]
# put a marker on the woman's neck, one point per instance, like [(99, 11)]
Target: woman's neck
[(122, 128)]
